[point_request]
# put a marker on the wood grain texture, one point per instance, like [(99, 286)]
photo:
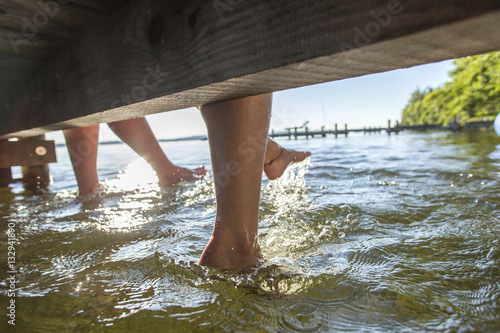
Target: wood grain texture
[(40, 29), (196, 53)]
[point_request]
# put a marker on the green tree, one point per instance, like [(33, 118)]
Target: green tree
[(474, 91)]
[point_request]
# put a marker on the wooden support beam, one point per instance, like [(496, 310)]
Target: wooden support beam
[(28, 152), (152, 56), (36, 175), (5, 177)]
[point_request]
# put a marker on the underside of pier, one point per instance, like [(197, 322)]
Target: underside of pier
[(75, 63)]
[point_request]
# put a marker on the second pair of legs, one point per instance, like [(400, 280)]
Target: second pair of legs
[(82, 147)]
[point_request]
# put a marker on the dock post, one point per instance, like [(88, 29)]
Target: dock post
[(38, 176), (5, 177), (389, 127), (272, 134), (346, 131), (289, 133), (307, 133), (296, 135), (323, 133), (336, 130)]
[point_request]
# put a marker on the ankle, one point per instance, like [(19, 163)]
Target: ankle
[(231, 250), (87, 189), (273, 153)]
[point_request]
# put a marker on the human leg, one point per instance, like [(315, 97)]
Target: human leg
[(139, 136), (82, 148), (278, 158), (237, 132)]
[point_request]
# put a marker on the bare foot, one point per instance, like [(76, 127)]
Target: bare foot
[(177, 174), (279, 158), (228, 250)]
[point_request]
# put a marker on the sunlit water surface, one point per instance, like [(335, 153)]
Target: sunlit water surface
[(375, 233)]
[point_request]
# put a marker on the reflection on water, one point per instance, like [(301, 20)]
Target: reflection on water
[(375, 233)]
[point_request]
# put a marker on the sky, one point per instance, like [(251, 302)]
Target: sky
[(366, 101)]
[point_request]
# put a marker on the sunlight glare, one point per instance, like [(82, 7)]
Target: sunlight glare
[(138, 174)]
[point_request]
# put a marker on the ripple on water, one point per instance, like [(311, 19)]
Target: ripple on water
[(417, 254)]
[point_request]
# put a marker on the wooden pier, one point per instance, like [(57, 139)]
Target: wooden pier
[(76, 63), (295, 133)]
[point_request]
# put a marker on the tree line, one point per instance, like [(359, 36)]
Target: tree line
[(472, 94)]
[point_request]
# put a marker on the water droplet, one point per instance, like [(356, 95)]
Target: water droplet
[(341, 235)]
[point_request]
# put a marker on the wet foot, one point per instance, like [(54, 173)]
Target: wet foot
[(227, 250), (91, 195), (280, 158), (177, 174)]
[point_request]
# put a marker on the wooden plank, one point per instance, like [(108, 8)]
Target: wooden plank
[(5, 177), (153, 56), (39, 27), (53, 12), (17, 65), (40, 46), (105, 6), (7, 56), (14, 23), (26, 153)]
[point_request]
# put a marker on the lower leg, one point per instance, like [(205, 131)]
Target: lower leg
[(139, 136), (82, 149), (237, 132)]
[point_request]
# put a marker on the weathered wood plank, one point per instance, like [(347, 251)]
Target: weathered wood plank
[(39, 46), (26, 153), (105, 6), (15, 23), (38, 28), (17, 65), (47, 12), (153, 56)]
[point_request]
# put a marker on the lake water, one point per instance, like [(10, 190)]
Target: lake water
[(375, 234)]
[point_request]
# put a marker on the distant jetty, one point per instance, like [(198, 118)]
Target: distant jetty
[(304, 131)]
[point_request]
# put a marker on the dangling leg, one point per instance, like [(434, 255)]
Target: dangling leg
[(138, 135), (82, 148), (237, 132), (278, 158)]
